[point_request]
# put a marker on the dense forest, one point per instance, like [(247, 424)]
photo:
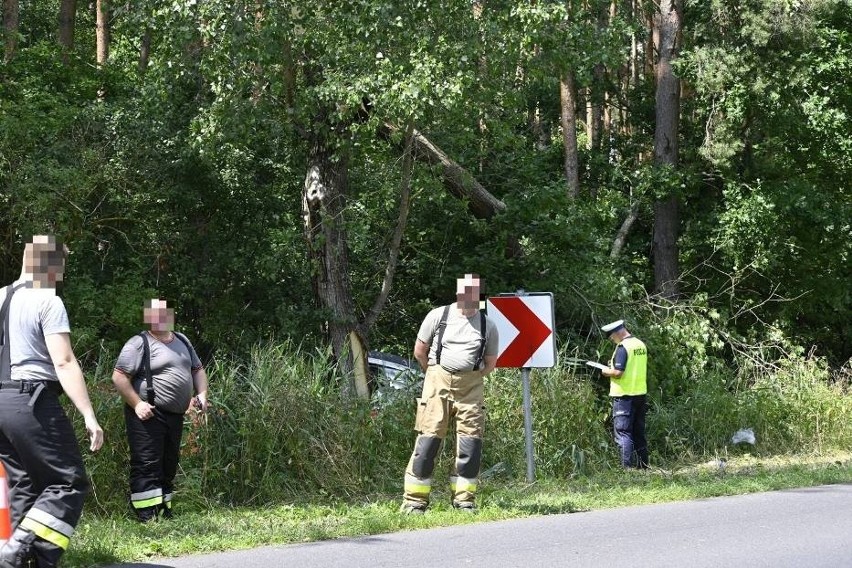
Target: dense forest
[(321, 172)]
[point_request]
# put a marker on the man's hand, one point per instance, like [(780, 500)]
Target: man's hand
[(612, 373), (144, 410), (96, 434), (198, 403)]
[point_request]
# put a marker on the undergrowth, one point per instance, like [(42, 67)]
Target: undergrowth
[(278, 429)]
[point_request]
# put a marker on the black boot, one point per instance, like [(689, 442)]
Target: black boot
[(17, 552), (147, 514)]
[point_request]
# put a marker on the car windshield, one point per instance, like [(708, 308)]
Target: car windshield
[(394, 371)]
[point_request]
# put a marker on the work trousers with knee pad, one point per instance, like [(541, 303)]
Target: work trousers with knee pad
[(447, 397), (47, 479)]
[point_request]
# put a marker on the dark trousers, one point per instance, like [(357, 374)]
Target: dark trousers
[(628, 425), (154, 455), (47, 479)]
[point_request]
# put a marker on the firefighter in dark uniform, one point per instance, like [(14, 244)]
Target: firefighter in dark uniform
[(157, 373), (457, 347), (38, 447), (628, 388)]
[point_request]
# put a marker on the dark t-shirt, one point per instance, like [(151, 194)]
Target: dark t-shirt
[(619, 360), (171, 367)]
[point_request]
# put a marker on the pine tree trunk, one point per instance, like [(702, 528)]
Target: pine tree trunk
[(67, 21), (664, 248), (102, 31), (568, 104), (666, 211), (11, 15)]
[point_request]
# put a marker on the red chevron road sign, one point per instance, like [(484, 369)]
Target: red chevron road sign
[(525, 328)]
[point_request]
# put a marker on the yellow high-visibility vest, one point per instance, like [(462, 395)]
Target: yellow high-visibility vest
[(633, 381)]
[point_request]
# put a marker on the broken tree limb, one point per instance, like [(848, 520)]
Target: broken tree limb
[(621, 236), (457, 179), (399, 231)]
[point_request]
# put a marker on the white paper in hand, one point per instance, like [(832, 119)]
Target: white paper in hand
[(596, 365)]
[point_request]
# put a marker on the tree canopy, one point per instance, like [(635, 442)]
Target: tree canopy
[(311, 170)]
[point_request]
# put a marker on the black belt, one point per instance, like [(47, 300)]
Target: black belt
[(33, 388), (457, 372)]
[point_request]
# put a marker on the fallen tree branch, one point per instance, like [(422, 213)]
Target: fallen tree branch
[(621, 236), (457, 179), (399, 231)]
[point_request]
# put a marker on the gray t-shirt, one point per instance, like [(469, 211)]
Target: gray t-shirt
[(171, 367), (461, 339), (33, 314)]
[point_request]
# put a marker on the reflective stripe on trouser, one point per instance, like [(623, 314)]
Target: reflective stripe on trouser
[(48, 527), (154, 454), (464, 489), (446, 396), (146, 499), (417, 490), (47, 480)]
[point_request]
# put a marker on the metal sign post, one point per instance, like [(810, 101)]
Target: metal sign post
[(525, 377)]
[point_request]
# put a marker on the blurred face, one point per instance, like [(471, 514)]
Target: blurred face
[(618, 335), (158, 315), (467, 292), (44, 261)]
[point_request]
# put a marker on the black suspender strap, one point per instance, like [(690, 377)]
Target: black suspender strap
[(146, 368), (482, 337), (186, 344), (146, 362), (482, 331), (5, 348), (442, 325), (189, 350)]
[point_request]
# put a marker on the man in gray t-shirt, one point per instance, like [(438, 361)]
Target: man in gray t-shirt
[(173, 363), (461, 341), (457, 347), (38, 446), (155, 427), (35, 314)]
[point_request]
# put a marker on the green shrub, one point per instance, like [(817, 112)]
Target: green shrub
[(791, 408)]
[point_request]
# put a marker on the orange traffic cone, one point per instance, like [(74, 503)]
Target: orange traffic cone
[(5, 516)]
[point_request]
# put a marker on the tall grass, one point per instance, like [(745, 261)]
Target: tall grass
[(793, 409), (278, 430), (569, 421)]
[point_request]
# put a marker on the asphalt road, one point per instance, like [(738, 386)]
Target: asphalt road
[(800, 528)]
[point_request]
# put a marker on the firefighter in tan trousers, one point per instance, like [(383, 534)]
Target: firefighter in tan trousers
[(457, 347)]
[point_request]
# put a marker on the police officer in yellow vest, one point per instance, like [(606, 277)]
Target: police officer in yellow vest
[(628, 388), (457, 347)]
